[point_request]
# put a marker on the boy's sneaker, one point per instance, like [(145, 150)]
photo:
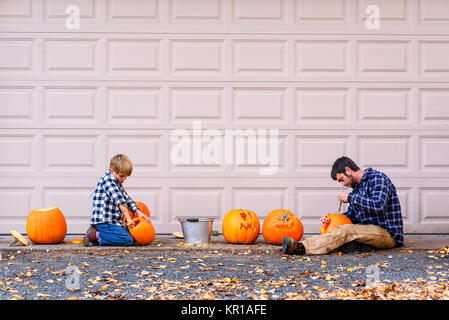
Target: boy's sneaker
[(90, 238)]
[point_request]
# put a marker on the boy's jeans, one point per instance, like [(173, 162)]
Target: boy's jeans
[(113, 235)]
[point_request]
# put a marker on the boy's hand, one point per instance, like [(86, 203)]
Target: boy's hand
[(142, 215), (130, 223)]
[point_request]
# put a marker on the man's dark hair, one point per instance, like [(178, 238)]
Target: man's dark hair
[(340, 164)]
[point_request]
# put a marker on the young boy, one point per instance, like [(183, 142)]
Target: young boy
[(110, 205)]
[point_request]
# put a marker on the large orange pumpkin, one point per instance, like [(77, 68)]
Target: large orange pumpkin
[(46, 225), (281, 223), (336, 220), (142, 207), (143, 232), (241, 226)]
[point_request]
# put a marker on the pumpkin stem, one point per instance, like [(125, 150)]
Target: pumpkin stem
[(284, 218)]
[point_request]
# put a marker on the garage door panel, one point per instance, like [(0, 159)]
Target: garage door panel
[(187, 104), (17, 201), (120, 11), (75, 202), (153, 197), (65, 153), (434, 153), (434, 205), (144, 150), (434, 105), (17, 152), (196, 10), (17, 55), (261, 200), (433, 56), (128, 56), (68, 55), (392, 11), (385, 152), (197, 202), (62, 104), (326, 56)]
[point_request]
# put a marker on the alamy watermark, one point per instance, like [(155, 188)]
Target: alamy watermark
[(235, 146), (72, 282), (373, 17), (72, 22), (372, 275)]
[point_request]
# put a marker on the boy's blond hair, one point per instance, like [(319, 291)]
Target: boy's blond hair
[(121, 164)]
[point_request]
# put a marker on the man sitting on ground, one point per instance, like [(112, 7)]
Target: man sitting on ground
[(374, 210)]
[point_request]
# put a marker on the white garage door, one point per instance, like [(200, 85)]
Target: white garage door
[(329, 77)]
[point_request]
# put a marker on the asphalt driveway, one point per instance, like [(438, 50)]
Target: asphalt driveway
[(119, 273)]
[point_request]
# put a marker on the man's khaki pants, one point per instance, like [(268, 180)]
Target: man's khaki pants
[(369, 234)]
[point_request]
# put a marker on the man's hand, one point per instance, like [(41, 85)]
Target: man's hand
[(324, 220), (343, 197)]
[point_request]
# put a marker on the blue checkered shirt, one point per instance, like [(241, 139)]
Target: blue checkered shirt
[(374, 201), (108, 195)]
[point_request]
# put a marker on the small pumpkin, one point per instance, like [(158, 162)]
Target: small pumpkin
[(241, 226), (46, 225), (336, 220), (281, 223), (143, 231)]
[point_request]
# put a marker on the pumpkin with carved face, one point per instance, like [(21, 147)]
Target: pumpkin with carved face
[(279, 224), (241, 226)]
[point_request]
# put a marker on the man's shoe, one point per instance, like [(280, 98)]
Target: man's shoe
[(290, 246), (352, 247), (348, 247), (90, 238), (363, 247)]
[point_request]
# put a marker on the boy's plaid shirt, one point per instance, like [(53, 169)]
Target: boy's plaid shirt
[(374, 201), (108, 195)]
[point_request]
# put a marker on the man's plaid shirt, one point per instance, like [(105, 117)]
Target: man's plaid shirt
[(374, 201), (108, 195)]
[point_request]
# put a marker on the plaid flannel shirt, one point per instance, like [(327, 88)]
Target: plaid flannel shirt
[(374, 201), (108, 195)]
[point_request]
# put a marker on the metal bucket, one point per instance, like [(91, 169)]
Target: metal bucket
[(196, 230)]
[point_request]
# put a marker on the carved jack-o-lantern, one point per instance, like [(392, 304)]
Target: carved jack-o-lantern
[(279, 224), (241, 226)]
